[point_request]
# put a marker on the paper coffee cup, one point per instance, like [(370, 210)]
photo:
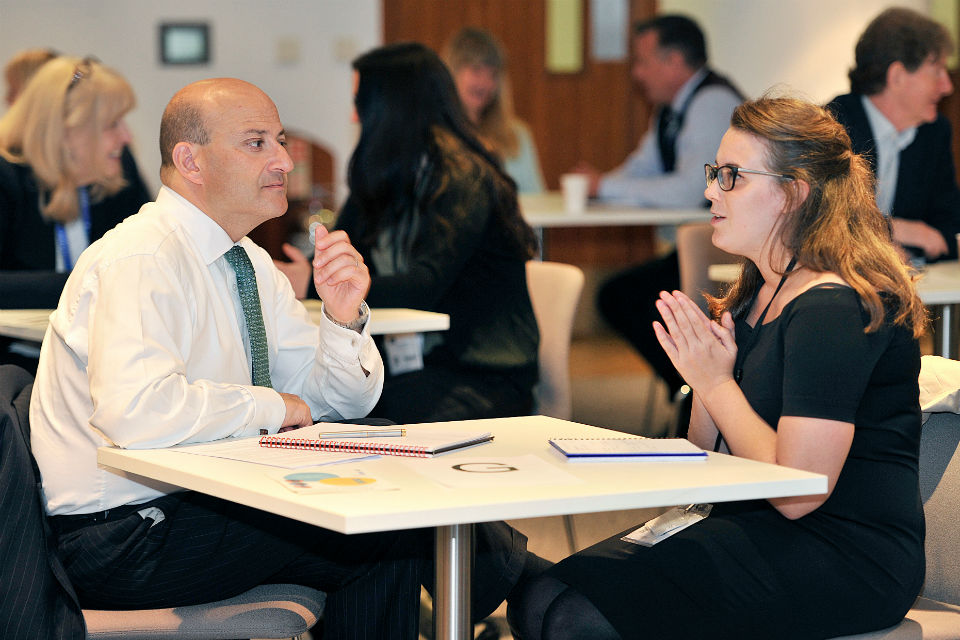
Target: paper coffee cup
[(574, 187)]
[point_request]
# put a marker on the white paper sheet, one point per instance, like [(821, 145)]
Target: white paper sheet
[(249, 450), (473, 472)]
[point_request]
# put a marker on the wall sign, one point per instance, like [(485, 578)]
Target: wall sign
[(185, 43)]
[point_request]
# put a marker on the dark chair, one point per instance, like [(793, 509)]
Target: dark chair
[(37, 599)]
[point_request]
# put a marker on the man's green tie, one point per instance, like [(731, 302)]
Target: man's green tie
[(250, 301)]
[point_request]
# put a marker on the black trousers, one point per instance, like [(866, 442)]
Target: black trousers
[(193, 548), (626, 301)]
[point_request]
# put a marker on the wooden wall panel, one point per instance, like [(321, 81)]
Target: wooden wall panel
[(594, 115)]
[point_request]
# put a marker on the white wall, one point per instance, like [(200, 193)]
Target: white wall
[(803, 47), (313, 95)]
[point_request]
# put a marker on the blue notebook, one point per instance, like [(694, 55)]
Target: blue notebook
[(633, 448)]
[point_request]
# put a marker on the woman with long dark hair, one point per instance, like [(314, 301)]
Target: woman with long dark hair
[(438, 223)]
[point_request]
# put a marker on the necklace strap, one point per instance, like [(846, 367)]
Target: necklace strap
[(754, 336)]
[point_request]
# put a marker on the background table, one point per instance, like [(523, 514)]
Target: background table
[(24, 324), (546, 210), (939, 286), (422, 502), (31, 324), (388, 321)]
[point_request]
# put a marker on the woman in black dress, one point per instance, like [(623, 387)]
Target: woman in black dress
[(811, 361)]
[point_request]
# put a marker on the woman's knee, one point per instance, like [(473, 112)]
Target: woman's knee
[(528, 604), (548, 608), (572, 616)]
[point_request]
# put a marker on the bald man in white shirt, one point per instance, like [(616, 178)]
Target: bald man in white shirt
[(158, 340)]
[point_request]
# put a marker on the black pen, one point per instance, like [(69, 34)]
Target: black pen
[(383, 433)]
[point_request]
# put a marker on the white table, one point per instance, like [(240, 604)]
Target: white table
[(389, 321), (24, 324), (546, 210), (31, 324), (723, 272), (421, 502), (939, 285)]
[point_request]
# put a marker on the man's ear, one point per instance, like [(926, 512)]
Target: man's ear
[(186, 161), (675, 59), (895, 73)]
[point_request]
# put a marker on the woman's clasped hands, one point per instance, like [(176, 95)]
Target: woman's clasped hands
[(702, 350)]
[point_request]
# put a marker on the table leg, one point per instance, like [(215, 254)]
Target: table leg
[(538, 232), (451, 599), (946, 328)]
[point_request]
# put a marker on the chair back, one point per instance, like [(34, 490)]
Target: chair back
[(36, 597), (695, 253), (940, 491), (554, 290)]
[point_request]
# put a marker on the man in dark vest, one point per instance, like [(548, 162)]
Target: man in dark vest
[(891, 116), (692, 108)]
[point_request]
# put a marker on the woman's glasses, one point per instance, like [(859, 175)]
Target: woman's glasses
[(726, 175), (81, 71)]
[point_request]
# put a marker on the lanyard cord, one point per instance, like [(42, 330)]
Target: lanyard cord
[(752, 340), (83, 199)]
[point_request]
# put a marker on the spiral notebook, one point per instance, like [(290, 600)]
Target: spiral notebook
[(417, 443), (634, 448)]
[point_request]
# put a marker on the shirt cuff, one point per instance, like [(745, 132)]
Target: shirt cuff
[(347, 346), (269, 411)]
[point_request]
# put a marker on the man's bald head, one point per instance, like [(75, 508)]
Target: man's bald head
[(186, 117), (224, 151)]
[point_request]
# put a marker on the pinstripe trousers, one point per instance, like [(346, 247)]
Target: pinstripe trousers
[(189, 548), (195, 548)]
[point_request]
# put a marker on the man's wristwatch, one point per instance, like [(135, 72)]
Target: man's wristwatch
[(354, 325)]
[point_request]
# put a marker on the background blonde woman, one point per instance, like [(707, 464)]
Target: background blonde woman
[(62, 182), (479, 68), (21, 67)]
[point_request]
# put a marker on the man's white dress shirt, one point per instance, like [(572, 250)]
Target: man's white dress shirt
[(146, 349), (889, 143), (641, 180)]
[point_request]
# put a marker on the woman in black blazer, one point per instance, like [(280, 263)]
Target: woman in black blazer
[(63, 160), (437, 221)]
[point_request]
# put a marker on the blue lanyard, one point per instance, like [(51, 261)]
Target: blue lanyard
[(83, 199)]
